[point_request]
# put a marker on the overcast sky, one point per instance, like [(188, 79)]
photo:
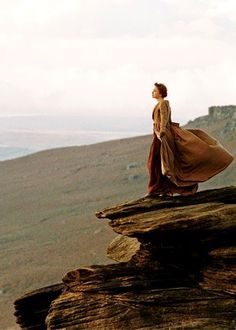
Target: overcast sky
[(103, 56)]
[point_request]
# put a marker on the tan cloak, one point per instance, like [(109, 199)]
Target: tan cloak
[(188, 156)]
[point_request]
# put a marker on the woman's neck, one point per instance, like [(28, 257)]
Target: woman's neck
[(159, 100)]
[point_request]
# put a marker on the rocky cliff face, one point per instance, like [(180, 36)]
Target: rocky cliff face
[(175, 269), (222, 112), (224, 115)]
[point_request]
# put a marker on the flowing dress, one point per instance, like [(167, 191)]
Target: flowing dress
[(181, 158)]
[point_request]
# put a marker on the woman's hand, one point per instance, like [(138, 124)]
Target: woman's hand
[(162, 133)]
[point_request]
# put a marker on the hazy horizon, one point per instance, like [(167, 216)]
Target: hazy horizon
[(22, 135)]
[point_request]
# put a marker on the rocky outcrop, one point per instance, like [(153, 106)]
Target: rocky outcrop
[(225, 116), (222, 112), (175, 269)]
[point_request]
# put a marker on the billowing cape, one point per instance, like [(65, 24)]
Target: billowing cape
[(189, 156)]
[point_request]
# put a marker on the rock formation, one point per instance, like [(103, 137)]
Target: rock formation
[(222, 112), (174, 269), (225, 116)]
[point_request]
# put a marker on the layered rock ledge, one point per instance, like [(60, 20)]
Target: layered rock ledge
[(174, 269)]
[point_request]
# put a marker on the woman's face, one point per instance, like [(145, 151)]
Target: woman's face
[(155, 92)]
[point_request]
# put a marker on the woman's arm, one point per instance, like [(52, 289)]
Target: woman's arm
[(164, 115)]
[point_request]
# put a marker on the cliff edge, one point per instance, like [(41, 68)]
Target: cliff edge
[(174, 269)]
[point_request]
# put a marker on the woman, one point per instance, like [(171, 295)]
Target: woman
[(180, 158)]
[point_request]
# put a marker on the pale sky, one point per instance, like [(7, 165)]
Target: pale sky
[(103, 56)]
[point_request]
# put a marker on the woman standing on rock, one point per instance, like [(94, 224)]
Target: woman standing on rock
[(180, 158)]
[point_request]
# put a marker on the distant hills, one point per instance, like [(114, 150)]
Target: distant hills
[(23, 135), (220, 121), (13, 152)]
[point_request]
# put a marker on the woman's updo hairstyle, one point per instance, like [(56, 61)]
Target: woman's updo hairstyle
[(162, 89)]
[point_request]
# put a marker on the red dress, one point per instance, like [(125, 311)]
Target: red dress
[(182, 158)]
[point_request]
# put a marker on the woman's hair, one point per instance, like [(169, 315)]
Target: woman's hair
[(162, 89)]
